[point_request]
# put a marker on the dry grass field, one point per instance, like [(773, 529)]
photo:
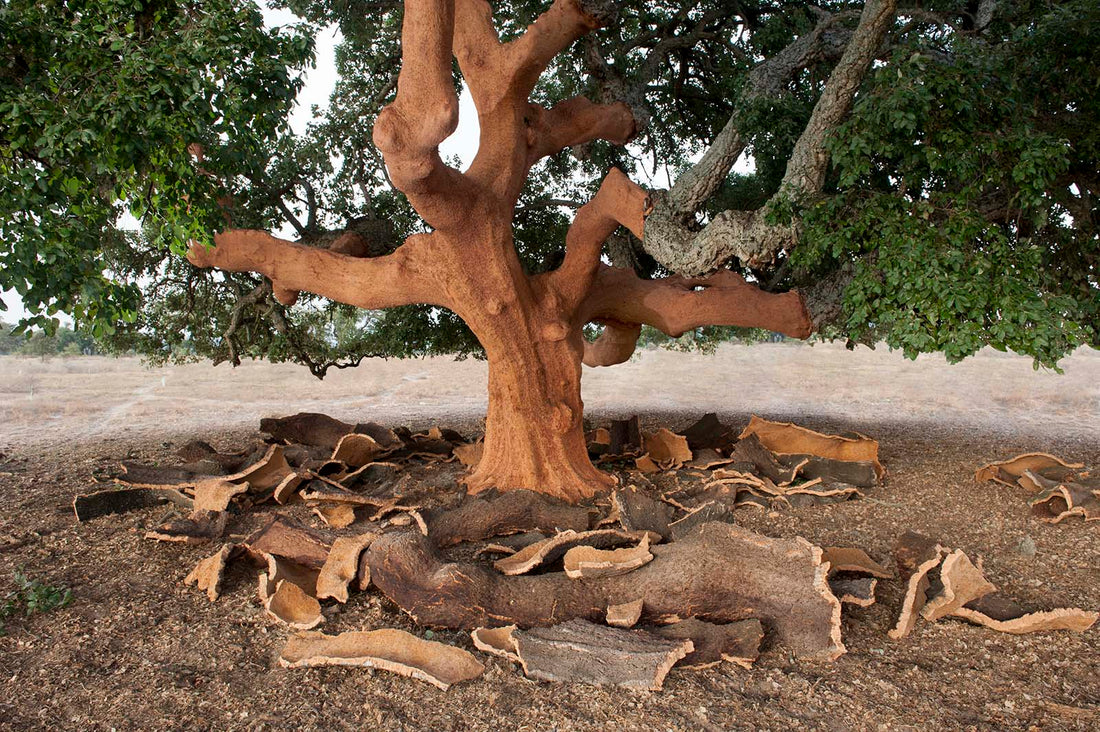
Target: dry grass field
[(137, 650)]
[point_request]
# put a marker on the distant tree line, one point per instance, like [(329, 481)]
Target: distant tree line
[(63, 342)]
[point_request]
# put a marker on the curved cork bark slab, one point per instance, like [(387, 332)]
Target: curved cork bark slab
[(357, 450), (719, 573), (496, 641), (790, 439), (201, 527), (852, 559), (104, 503), (709, 433), (306, 428), (586, 562), (388, 649), (638, 512), (916, 557), (858, 591), (285, 537), (706, 459), (291, 605), (208, 573), (336, 515), (861, 474), (1072, 619), (1062, 501), (287, 488), (341, 566), (625, 615), (962, 582), (547, 550), (582, 652), (666, 448), (1009, 471), (216, 495), (737, 642), (751, 451), (511, 512)]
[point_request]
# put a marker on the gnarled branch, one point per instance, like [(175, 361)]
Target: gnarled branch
[(575, 122), (423, 114), (401, 278), (619, 201), (614, 346), (675, 305), (744, 234)]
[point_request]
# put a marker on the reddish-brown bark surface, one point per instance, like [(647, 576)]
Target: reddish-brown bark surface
[(530, 326)]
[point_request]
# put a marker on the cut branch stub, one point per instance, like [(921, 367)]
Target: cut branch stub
[(579, 651), (388, 649), (718, 572)]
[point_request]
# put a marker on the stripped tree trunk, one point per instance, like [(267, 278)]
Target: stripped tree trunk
[(530, 326)]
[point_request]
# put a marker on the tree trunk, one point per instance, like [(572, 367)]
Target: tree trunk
[(534, 430)]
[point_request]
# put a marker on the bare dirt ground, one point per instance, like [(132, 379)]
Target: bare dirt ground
[(138, 650)]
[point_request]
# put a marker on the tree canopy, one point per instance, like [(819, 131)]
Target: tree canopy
[(955, 205)]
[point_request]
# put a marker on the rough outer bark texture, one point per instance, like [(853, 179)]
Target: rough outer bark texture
[(719, 573), (579, 651), (530, 326), (746, 235)]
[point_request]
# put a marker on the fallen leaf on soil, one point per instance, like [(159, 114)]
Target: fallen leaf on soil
[(737, 642), (341, 566), (625, 615), (103, 503), (496, 641), (581, 652), (585, 562), (387, 649)]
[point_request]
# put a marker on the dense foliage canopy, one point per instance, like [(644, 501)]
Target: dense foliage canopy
[(960, 208)]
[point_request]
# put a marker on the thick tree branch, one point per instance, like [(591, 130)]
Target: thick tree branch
[(675, 305), (806, 168), (614, 346), (575, 122), (550, 34), (424, 113), (619, 201), (745, 235), (402, 278)]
